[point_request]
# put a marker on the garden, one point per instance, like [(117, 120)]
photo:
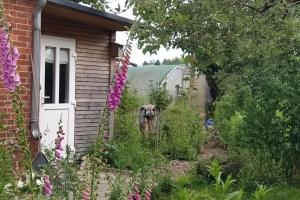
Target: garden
[(249, 52)]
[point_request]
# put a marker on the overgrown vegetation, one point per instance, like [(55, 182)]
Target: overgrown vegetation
[(181, 133), (128, 149), (160, 97), (6, 172)]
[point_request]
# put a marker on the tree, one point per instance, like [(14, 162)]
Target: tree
[(255, 45), (98, 4), (174, 61), (157, 62), (146, 63)]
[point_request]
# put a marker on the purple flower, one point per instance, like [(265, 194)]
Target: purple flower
[(8, 59), (47, 186), (86, 194), (115, 93), (58, 142)]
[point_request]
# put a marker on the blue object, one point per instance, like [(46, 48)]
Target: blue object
[(209, 123)]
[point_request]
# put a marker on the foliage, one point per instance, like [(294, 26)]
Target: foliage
[(223, 187), (174, 61), (256, 48), (164, 187), (260, 168), (6, 172), (64, 175), (181, 133), (127, 150), (160, 97), (2, 116), (98, 4), (119, 189), (200, 174), (130, 101), (157, 62), (136, 188), (261, 192)]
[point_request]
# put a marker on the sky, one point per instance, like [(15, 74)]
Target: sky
[(137, 55)]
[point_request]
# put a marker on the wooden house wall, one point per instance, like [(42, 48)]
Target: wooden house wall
[(93, 72)]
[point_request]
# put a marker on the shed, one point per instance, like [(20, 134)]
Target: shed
[(70, 46)]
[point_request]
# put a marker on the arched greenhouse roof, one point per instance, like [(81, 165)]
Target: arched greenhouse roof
[(140, 78)]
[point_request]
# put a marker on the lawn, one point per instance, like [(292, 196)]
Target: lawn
[(277, 193)]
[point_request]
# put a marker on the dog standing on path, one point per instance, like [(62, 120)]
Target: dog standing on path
[(147, 118)]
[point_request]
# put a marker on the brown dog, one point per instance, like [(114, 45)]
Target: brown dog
[(147, 117)]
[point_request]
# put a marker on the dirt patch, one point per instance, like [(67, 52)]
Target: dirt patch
[(214, 148), (179, 167)]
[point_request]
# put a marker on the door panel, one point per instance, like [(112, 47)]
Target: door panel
[(57, 78)]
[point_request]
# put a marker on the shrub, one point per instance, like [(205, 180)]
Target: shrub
[(119, 189), (160, 97), (181, 132), (164, 188), (127, 150), (200, 175), (259, 168)]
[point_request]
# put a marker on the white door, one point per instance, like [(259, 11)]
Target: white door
[(57, 78)]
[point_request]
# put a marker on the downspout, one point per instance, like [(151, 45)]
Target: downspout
[(35, 94)]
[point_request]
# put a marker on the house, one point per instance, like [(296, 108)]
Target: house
[(66, 66), (170, 76)]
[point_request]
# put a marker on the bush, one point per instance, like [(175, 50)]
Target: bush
[(160, 97), (164, 188), (200, 173), (127, 150), (119, 189), (181, 132), (259, 168)]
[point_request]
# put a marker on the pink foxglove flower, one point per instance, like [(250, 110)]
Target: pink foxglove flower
[(47, 186), (8, 60), (86, 194), (148, 195), (58, 142), (116, 90)]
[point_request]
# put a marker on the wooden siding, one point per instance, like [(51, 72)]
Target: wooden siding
[(92, 75)]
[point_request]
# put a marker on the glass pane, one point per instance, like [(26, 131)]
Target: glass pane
[(49, 95), (64, 76)]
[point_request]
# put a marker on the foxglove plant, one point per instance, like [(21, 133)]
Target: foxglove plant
[(117, 88), (58, 141), (47, 186), (135, 195), (8, 61), (112, 103)]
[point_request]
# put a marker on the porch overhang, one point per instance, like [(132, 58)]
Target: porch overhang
[(63, 9)]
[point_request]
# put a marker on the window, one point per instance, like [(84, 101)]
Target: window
[(57, 75), (49, 95), (64, 76)]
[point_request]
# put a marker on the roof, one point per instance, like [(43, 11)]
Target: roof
[(140, 78), (88, 15)]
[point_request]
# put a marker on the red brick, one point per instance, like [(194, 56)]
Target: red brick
[(19, 14), (23, 27), (20, 8), (20, 32)]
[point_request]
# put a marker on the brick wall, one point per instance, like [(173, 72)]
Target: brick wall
[(19, 14)]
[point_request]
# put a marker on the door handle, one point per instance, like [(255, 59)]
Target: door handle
[(45, 97)]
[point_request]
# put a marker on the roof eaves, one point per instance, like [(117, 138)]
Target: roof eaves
[(92, 11)]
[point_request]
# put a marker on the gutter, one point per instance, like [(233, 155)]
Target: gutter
[(35, 94), (92, 11)]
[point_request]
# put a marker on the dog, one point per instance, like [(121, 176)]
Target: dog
[(147, 118)]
